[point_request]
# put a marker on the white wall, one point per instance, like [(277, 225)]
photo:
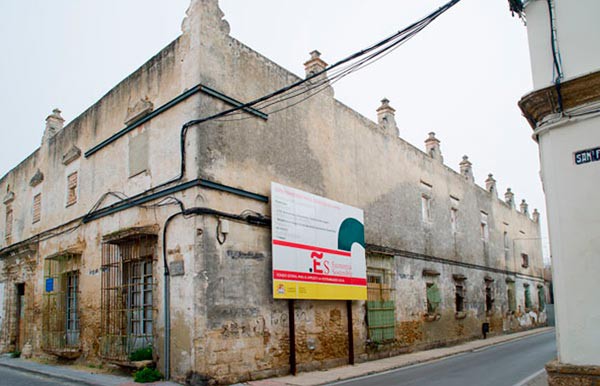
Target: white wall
[(577, 33), (574, 224)]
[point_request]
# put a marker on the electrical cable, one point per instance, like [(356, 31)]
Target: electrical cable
[(387, 43)]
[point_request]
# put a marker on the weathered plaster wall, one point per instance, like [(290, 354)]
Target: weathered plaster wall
[(224, 322)]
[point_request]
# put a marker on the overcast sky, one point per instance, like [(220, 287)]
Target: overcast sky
[(461, 77)]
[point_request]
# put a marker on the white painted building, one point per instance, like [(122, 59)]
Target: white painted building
[(564, 111)]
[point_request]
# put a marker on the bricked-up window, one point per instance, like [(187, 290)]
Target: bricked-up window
[(72, 188), (485, 233), (8, 223), (380, 305), (60, 315), (37, 207), (524, 260), (426, 207), (454, 219), (127, 313)]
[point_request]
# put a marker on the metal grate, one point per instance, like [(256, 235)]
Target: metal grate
[(60, 331), (127, 314)]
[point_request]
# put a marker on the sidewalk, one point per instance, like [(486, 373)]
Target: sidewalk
[(371, 367), (69, 374)]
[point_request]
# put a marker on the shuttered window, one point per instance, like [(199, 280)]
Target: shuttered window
[(72, 189), (37, 207), (433, 298), (380, 306)]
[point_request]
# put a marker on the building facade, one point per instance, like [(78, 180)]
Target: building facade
[(563, 109), (135, 230)]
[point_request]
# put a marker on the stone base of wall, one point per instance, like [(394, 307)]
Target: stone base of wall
[(560, 374)]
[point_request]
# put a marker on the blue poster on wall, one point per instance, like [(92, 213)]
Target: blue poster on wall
[(50, 284)]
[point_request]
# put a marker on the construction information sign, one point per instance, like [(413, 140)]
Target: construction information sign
[(318, 247)]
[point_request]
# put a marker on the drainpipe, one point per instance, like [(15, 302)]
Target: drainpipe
[(167, 299)]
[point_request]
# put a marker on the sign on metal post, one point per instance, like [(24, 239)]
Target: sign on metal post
[(318, 247)]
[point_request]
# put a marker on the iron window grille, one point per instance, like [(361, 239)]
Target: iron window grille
[(127, 311), (60, 324)]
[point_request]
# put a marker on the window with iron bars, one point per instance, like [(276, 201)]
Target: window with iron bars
[(60, 316), (380, 305), (127, 313)]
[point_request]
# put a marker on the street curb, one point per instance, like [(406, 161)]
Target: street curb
[(534, 332), (49, 375)]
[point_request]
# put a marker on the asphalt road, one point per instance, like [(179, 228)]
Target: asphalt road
[(11, 377), (502, 365)]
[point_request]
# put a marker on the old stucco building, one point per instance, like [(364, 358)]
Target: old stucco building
[(91, 219)]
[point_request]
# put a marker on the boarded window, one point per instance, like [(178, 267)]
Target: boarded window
[(127, 314), (72, 188), (37, 207), (434, 298), (60, 318), (528, 304), (380, 306)]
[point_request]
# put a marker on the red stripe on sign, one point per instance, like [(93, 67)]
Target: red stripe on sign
[(311, 248), (318, 278)]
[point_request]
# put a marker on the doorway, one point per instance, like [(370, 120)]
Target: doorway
[(20, 333)]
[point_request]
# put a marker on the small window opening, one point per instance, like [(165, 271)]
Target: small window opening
[(460, 298), (524, 260), (489, 299)]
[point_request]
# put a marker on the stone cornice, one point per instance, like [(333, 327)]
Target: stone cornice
[(539, 104)]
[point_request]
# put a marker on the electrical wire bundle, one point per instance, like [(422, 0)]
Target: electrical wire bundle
[(318, 82)]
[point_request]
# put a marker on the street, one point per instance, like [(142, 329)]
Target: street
[(503, 365), (10, 377)]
